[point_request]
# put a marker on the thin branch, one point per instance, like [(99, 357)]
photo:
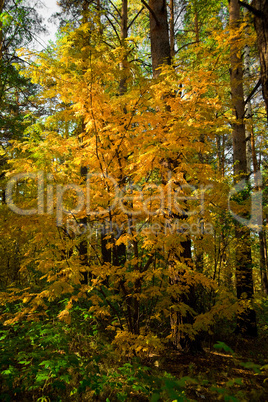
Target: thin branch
[(253, 10), (113, 16), (114, 28), (186, 44), (141, 62), (109, 12), (253, 91), (151, 11), (183, 8), (134, 19), (148, 263), (108, 44), (116, 9)]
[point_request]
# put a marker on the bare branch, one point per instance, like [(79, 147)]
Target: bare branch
[(253, 10), (113, 26), (253, 91), (134, 19), (186, 44), (116, 9), (151, 11)]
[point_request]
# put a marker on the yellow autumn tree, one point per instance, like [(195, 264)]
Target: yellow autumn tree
[(135, 194)]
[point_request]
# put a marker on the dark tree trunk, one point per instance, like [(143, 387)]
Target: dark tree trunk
[(172, 29), (161, 54), (263, 262), (117, 254), (160, 47), (83, 245), (124, 34), (120, 252), (261, 27), (246, 323), (189, 297), (1, 30)]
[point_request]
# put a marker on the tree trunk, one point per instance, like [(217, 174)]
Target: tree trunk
[(160, 50), (2, 159), (160, 47), (251, 150), (261, 27), (172, 29), (124, 34), (83, 245), (248, 115), (117, 254), (196, 23), (1, 30), (263, 262), (246, 322), (120, 252)]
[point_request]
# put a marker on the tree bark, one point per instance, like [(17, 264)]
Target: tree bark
[(160, 47), (119, 252), (172, 29), (246, 322), (196, 23), (261, 27), (83, 244), (263, 262), (1, 30), (161, 54), (253, 156), (124, 34)]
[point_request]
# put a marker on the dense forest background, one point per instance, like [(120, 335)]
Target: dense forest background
[(134, 207)]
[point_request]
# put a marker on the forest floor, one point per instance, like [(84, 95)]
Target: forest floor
[(223, 375), (51, 361)]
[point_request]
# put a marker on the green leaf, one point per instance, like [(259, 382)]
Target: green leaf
[(238, 381), (25, 362), (155, 398), (45, 363), (253, 366), (42, 377), (222, 346), (6, 372)]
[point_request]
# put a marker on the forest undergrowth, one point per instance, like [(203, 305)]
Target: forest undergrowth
[(48, 360)]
